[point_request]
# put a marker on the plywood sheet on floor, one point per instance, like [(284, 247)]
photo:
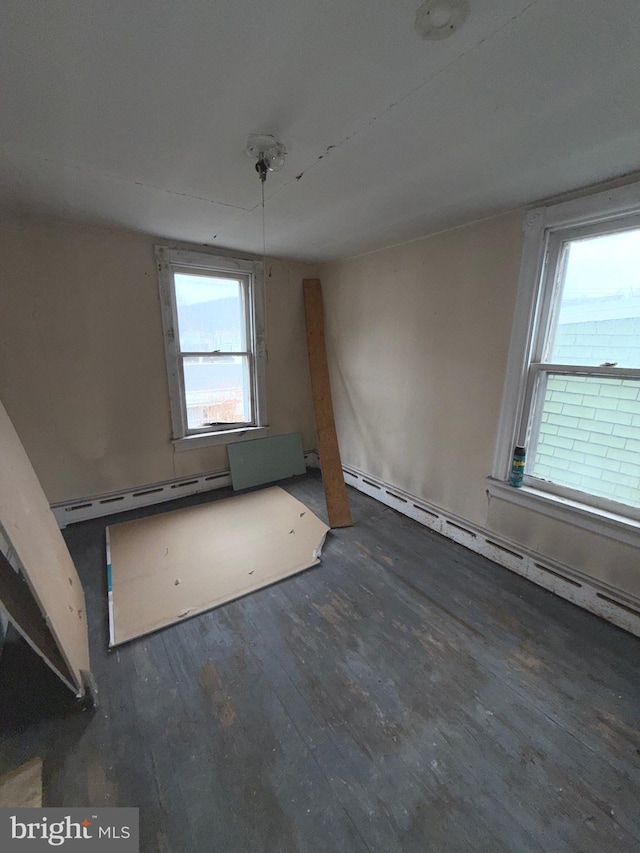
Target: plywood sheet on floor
[(173, 565), (22, 788)]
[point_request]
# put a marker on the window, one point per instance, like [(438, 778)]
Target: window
[(573, 388), (213, 319)]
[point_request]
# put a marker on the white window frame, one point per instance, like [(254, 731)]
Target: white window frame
[(545, 230), (250, 274)]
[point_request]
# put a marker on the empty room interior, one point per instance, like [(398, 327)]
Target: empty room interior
[(320, 422)]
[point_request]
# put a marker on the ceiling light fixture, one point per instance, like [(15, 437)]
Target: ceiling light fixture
[(439, 19), (268, 152), (269, 155)]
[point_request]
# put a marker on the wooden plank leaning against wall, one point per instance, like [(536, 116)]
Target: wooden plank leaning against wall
[(332, 476), (30, 529)]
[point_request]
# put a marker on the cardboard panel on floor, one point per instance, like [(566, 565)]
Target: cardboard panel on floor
[(173, 565)]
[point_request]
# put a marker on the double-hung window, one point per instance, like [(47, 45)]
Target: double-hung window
[(213, 318), (573, 388)]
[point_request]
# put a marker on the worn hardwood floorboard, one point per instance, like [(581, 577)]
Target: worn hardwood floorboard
[(405, 695)]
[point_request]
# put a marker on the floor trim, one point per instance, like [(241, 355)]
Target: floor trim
[(605, 601), (83, 509)]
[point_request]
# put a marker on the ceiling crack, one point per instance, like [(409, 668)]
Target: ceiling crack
[(247, 211), (111, 177), (368, 122)]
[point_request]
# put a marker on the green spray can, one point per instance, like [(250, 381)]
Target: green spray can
[(516, 476)]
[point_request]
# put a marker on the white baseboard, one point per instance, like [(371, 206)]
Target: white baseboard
[(83, 509), (581, 589)]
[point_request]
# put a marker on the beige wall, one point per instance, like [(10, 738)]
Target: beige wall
[(82, 366), (417, 334), (418, 338)]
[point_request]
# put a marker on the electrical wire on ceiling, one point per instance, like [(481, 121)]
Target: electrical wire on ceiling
[(269, 155)]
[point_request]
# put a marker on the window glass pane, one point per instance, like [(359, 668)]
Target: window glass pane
[(217, 390), (598, 319), (589, 436), (210, 314)]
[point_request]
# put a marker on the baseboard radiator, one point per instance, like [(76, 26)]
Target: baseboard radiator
[(83, 509), (593, 595), (599, 598)]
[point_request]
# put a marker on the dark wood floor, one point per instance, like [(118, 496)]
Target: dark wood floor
[(406, 695)]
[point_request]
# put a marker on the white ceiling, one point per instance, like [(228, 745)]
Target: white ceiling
[(136, 113)]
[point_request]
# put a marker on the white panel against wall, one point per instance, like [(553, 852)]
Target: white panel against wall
[(29, 526)]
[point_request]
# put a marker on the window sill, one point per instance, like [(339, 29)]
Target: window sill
[(227, 436), (618, 527)]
